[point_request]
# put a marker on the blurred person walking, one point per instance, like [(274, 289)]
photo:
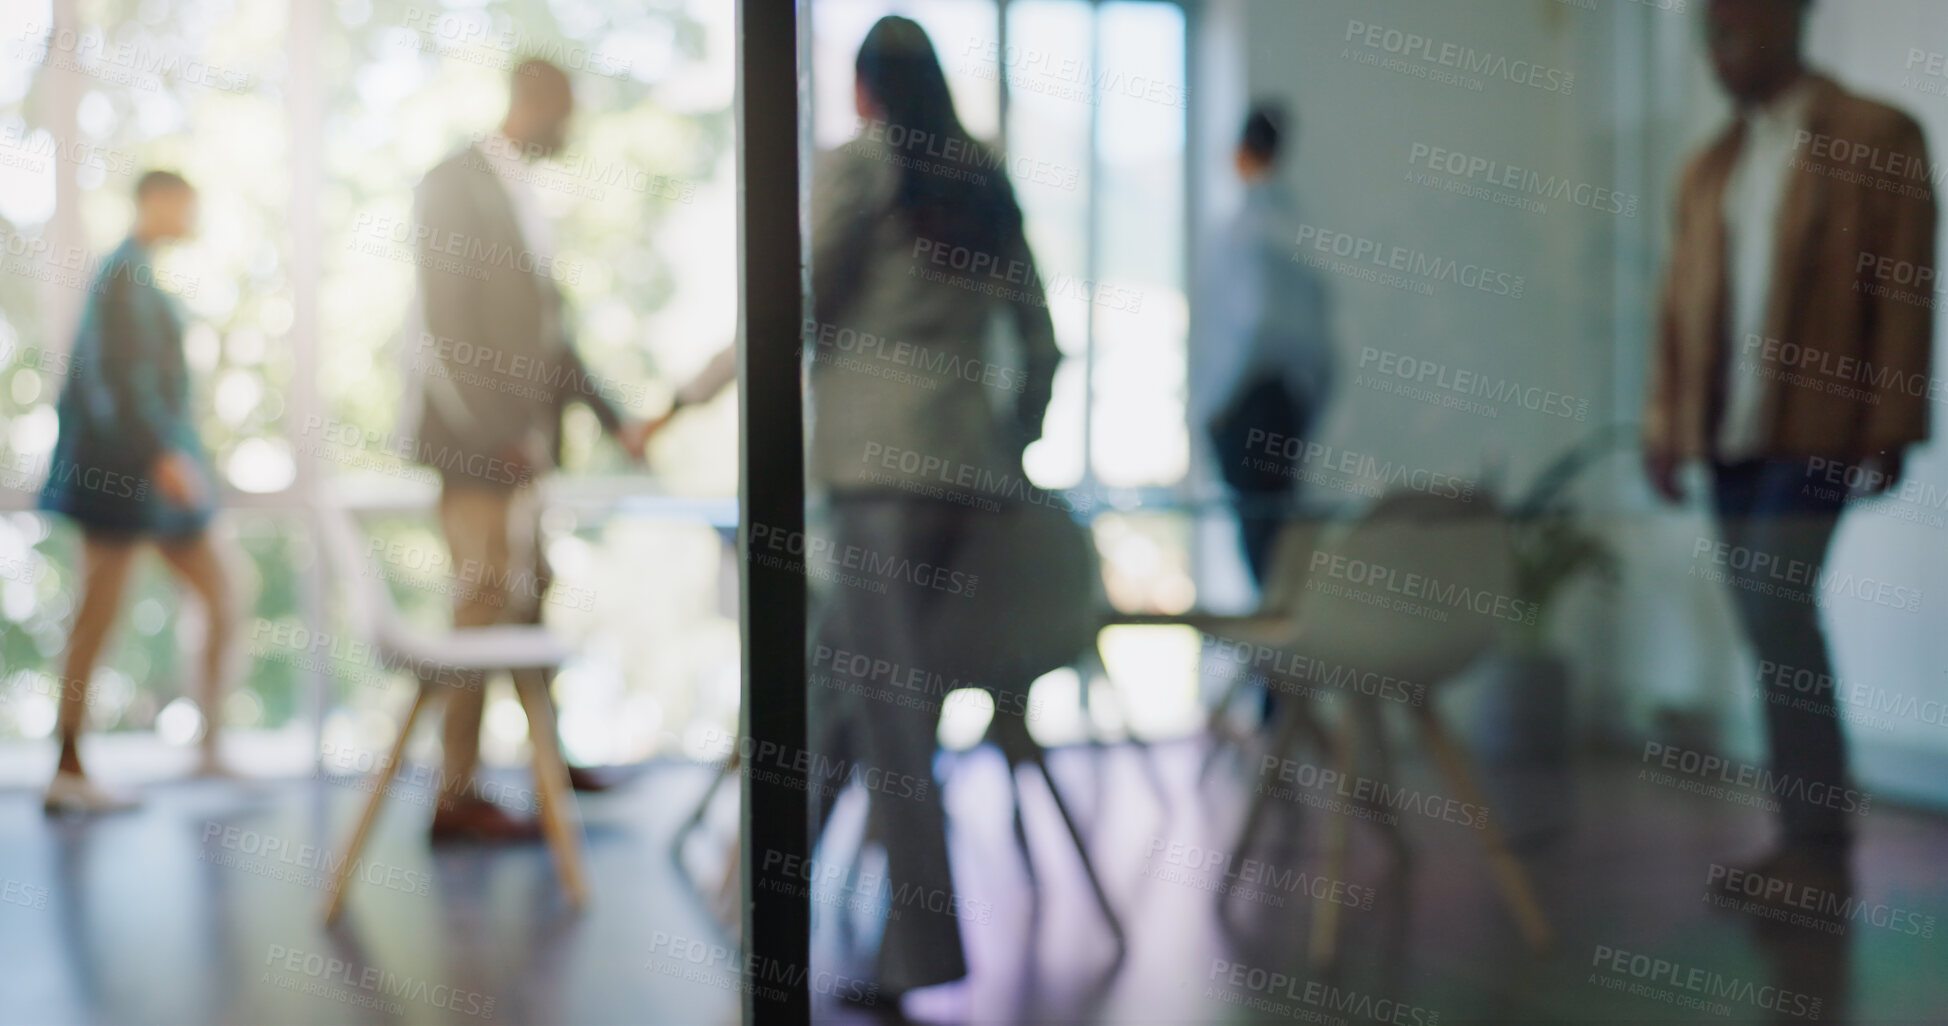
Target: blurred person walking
[(496, 366), (129, 470), (1264, 369), (892, 238)]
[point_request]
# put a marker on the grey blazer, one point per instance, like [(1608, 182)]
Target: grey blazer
[(490, 359), (927, 372)]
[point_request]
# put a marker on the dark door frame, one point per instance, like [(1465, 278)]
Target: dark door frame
[(771, 481)]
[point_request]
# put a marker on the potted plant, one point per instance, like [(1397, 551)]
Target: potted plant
[(1523, 716)]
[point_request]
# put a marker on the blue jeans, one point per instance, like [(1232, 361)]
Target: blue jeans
[(1780, 509)]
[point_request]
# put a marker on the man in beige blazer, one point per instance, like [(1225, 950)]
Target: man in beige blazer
[(1793, 357)]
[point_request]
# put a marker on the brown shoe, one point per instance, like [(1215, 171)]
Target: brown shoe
[(589, 779), (477, 820)]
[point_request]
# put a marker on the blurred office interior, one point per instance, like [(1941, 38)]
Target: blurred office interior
[(306, 124)]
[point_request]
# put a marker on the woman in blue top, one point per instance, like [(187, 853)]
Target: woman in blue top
[(128, 469)]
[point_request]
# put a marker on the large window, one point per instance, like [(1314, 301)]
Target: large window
[(325, 113), (1096, 148), (1088, 142)]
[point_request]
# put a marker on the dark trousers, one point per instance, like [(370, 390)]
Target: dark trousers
[(1777, 509), (1261, 516), (871, 730)]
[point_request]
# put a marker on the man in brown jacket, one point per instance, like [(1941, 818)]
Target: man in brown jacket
[(1793, 357)]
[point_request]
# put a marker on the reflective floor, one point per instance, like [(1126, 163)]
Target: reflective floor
[(202, 908)]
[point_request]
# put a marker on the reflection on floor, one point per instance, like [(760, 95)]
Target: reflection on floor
[(1621, 864), (202, 909)]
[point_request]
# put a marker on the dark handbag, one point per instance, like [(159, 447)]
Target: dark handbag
[(1038, 603), (1256, 437)]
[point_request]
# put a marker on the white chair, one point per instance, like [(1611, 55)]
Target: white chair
[(531, 653), (1330, 617)]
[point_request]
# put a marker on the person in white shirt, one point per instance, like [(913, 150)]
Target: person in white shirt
[(495, 365), (1785, 367)]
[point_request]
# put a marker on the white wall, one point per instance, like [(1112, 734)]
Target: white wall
[(1642, 100)]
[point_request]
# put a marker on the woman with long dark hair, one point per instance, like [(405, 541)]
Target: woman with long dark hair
[(933, 359)]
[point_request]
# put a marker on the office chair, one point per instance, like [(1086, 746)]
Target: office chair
[(530, 652), (1324, 602)]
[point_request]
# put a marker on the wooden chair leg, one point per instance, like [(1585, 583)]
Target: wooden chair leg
[(1374, 723), (382, 780), (1325, 920), (559, 821), (1294, 716), (1217, 725), (1509, 874)]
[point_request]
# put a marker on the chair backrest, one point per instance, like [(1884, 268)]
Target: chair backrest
[(1415, 589), (1038, 603), (369, 607)]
